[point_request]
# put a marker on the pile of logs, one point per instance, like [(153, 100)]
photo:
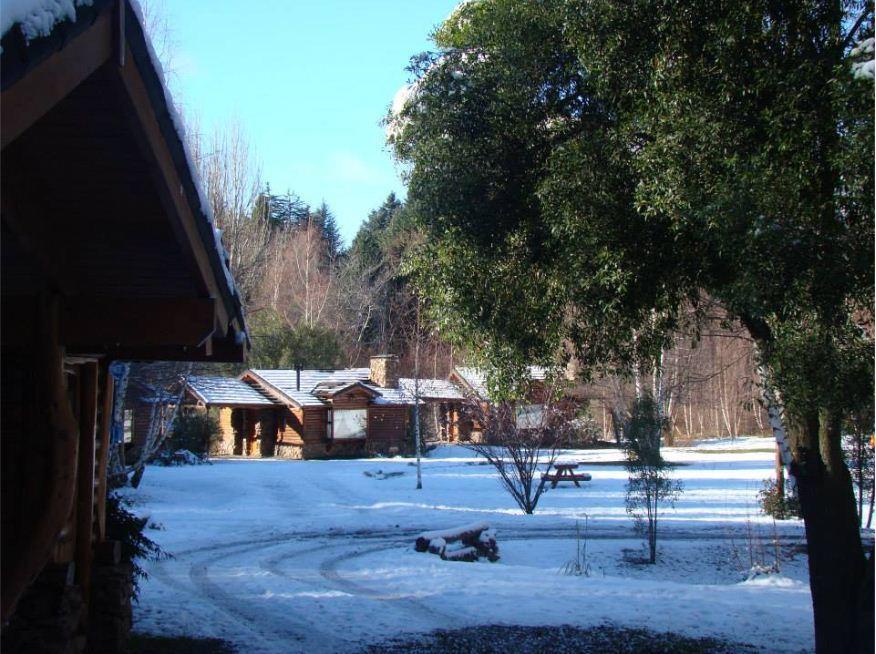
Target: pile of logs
[(466, 543)]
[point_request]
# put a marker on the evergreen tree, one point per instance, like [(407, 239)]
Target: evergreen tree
[(324, 220), (368, 246), (283, 211)]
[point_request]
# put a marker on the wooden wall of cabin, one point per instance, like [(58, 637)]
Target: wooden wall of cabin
[(387, 429), (141, 417), (300, 432), (54, 430)]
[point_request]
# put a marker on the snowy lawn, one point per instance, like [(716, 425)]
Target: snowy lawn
[(317, 556)]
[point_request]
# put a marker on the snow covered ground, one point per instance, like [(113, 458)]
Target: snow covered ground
[(316, 556)]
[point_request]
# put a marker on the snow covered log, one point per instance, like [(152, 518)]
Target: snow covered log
[(468, 534), (437, 546), (463, 554), (487, 545), (478, 538)]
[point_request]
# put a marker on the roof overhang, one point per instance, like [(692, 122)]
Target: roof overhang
[(270, 390), (329, 392), (100, 203)]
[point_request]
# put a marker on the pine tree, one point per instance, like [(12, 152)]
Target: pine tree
[(324, 220), (287, 210)]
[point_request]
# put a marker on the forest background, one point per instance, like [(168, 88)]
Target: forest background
[(314, 301)]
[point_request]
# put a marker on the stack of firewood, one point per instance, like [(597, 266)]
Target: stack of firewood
[(466, 543)]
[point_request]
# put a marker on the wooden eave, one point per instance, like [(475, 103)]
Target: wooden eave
[(458, 379), (271, 390), (99, 203), (329, 393)]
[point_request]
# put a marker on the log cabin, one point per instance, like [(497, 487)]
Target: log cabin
[(109, 252), (307, 414), (527, 414)]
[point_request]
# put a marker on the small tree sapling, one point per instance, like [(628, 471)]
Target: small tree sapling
[(650, 482)]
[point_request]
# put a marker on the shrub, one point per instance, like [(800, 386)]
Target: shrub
[(127, 528), (193, 432), (650, 483), (781, 507)]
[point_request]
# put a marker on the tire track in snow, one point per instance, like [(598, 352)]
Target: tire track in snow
[(252, 631), (293, 634), (329, 571)]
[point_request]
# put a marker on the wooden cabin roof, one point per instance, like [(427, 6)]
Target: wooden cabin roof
[(227, 391), (101, 201), (475, 379), (317, 387), (432, 389)]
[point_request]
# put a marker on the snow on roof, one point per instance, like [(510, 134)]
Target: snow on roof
[(227, 390), (432, 389), (316, 384), (37, 18), (476, 378)]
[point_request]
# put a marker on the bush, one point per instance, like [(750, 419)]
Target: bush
[(584, 430), (127, 528), (193, 432), (780, 507)]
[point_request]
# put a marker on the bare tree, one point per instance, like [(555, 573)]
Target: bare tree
[(162, 386), (516, 443), (231, 178)]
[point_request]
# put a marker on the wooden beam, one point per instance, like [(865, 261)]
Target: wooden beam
[(50, 81), (183, 217), (50, 467), (106, 421), (97, 325), (85, 476), (225, 350)]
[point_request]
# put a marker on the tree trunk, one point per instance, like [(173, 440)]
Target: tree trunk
[(417, 446), (840, 576), (780, 476)]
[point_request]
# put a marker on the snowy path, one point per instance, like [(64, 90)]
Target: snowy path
[(280, 556)]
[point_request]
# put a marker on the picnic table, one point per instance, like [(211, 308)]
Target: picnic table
[(565, 472)]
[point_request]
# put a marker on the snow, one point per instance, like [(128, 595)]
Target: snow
[(864, 69), (274, 555), (37, 18)]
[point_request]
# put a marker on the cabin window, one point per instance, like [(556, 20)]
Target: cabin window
[(128, 425), (349, 423), (529, 416)]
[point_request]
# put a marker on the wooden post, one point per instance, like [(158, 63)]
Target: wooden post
[(103, 452), (85, 476)]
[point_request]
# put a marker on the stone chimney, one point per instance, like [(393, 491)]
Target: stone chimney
[(384, 370)]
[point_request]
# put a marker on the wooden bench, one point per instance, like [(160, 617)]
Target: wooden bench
[(565, 472)]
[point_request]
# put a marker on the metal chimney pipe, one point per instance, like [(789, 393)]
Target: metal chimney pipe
[(297, 376)]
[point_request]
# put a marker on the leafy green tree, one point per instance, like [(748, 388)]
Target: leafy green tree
[(277, 345), (584, 169)]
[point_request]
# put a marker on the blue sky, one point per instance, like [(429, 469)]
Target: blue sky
[(309, 81)]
